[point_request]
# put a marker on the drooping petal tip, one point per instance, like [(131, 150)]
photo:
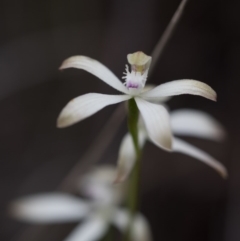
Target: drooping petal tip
[(224, 173), (66, 64), (71, 62), (214, 96), (63, 121), (190, 150)]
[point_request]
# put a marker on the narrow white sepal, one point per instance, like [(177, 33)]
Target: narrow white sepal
[(157, 122), (127, 155), (196, 123), (85, 106), (49, 208), (96, 68), (179, 87), (92, 229), (140, 227), (188, 149)]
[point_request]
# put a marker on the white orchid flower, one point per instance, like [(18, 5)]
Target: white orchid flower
[(183, 122), (96, 213), (156, 117)]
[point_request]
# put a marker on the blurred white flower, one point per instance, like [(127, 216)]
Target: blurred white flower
[(156, 117), (183, 122), (97, 212)]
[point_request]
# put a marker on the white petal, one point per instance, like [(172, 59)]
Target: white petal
[(49, 208), (179, 87), (90, 230), (127, 156), (186, 148), (85, 106), (140, 229), (157, 122), (103, 174), (98, 185), (96, 68), (196, 123)]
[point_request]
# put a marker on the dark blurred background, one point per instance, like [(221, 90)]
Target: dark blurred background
[(182, 198)]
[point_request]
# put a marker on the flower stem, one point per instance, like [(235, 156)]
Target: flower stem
[(133, 192), (109, 235)]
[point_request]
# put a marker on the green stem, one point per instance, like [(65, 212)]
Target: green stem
[(109, 235), (133, 195)]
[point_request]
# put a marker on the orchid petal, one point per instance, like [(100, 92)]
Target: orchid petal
[(196, 123), (49, 208), (157, 122), (98, 185), (96, 68), (140, 226), (186, 148), (103, 174), (90, 230), (85, 106), (179, 87), (127, 155)]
